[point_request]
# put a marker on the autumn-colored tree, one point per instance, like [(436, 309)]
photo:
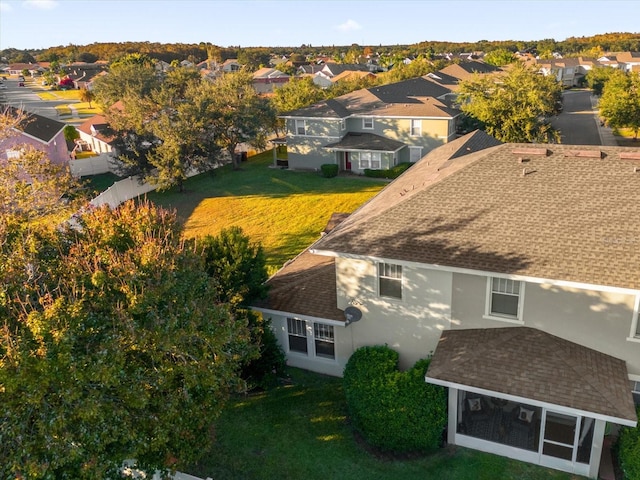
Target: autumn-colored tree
[(87, 95), (620, 101)]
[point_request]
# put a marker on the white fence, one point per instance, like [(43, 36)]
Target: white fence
[(91, 166), (122, 191)]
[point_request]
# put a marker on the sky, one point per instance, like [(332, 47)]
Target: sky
[(40, 24)]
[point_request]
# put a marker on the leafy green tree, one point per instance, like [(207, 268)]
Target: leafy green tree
[(500, 57), (297, 93), (113, 346), (597, 78), (87, 95), (242, 116), (514, 107), (620, 101), (70, 133), (132, 74)]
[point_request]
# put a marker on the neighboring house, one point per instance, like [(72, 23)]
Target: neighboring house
[(515, 266), (266, 79), (42, 133), (373, 128), (33, 68), (231, 65), (350, 76), (97, 135), (328, 71)]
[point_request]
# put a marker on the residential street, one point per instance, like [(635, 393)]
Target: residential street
[(577, 123), (26, 98)]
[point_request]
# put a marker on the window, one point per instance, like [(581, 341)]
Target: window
[(367, 123), (415, 154), (416, 128), (504, 298), (324, 342), (390, 280), (301, 127), (13, 154), (372, 160), (297, 330), (343, 125)]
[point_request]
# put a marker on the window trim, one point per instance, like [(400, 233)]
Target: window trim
[(418, 128), (304, 127), (305, 329), (343, 125), (489, 315), (317, 339), (365, 121), (310, 331), (368, 162), (379, 277)]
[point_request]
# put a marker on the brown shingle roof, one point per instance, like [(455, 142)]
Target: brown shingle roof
[(529, 363), (570, 217)]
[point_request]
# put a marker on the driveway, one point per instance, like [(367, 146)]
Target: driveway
[(578, 122), (26, 99)]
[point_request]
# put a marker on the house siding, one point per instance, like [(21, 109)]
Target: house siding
[(411, 325), (595, 319), (56, 149)]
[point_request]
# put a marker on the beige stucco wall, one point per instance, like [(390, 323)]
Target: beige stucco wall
[(594, 319), (412, 325)]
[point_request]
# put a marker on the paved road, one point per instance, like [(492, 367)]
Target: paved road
[(27, 99), (578, 124)]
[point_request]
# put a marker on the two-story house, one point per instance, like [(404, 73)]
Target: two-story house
[(514, 266), (374, 128)]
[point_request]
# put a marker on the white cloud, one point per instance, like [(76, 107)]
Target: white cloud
[(349, 26), (5, 7), (40, 4)]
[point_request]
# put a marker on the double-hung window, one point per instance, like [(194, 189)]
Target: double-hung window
[(372, 160), (324, 341), (367, 123), (297, 330), (301, 127), (390, 280), (416, 128), (504, 298)]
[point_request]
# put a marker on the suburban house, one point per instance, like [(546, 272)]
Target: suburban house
[(42, 133), (266, 79), (323, 77), (514, 266), (374, 128)]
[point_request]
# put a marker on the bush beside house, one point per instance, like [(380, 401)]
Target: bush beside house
[(629, 451), (329, 170), (394, 411), (393, 172)]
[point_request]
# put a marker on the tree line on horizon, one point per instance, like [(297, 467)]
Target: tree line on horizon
[(168, 52)]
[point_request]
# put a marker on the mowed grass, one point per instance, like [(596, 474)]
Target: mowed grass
[(301, 431), (283, 210)]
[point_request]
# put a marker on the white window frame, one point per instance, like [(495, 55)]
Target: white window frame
[(300, 331), (634, 333), (371, 160), (343, 125), (367, 123), (415, 129), (323, 332), (635, 391), (390, 278), (412, 155), (490, 315), (299, 122), (310, 330), (13, 154)]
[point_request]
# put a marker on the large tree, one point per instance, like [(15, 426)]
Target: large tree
[(620, 101), (515, 107), (597, 77), (112, 346)]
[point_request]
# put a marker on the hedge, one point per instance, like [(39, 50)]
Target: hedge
[(629, 451), (393, 172), (393, 410), (329, 170)]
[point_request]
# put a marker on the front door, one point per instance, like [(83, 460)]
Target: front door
[(347, 161)]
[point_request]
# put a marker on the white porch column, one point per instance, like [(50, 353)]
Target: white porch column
[(596, 448), (452, 421)]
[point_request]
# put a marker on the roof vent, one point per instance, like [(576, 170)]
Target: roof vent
[(584, 153), (530, 151)]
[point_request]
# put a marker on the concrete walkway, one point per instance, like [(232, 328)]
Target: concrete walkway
[(607, 138)]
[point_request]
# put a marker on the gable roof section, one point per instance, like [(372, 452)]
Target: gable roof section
[(365, 141), (97, 127), (533, 364), (568, 215), (41, 128), (402, 92)]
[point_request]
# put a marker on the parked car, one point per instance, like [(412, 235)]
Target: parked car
[(21, 84), (3, 86)]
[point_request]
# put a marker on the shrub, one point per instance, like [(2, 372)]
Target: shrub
[(393, 172), (629, 451), (329, 170), (263, 372), (393, 410)]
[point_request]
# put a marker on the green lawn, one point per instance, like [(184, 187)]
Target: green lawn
[(300, 431), (282, 209)]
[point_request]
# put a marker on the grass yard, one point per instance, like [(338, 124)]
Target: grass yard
[(300, 431), (283, 210)]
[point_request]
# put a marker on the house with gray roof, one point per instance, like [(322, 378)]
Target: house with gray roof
[(514, 267), (374, 128)]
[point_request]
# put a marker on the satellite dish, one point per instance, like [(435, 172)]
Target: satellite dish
[(352, 314)]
